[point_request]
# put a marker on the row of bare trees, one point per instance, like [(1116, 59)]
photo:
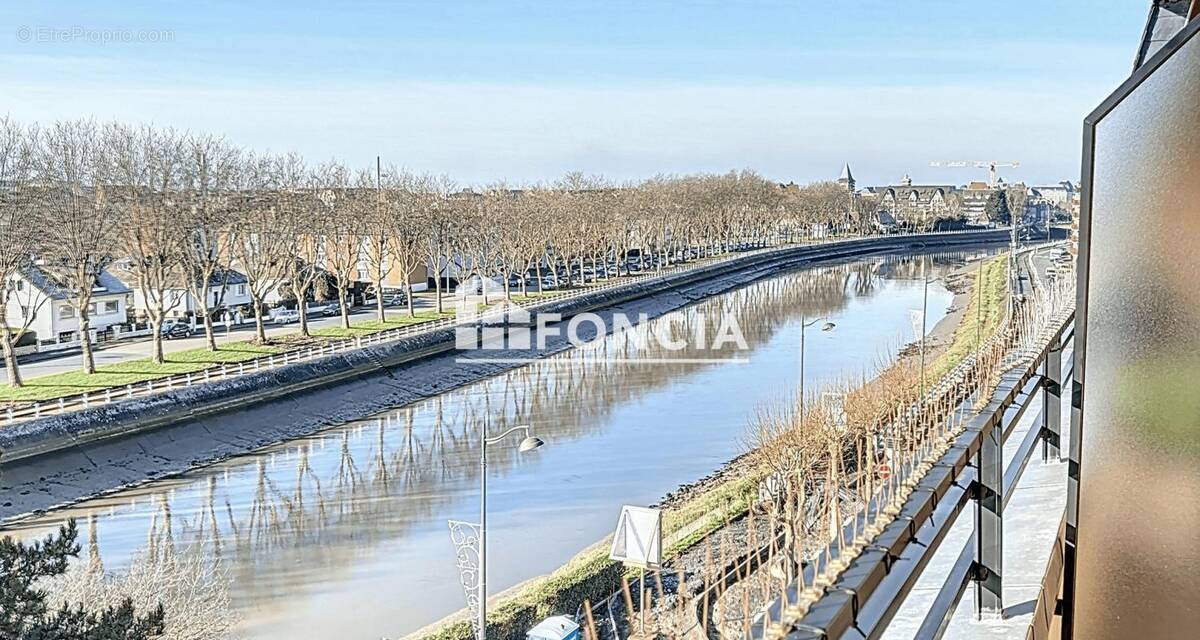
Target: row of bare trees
[(176, 212)]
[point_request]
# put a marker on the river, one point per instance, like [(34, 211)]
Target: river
[(344, 534)]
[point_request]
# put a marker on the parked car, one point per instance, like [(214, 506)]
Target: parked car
[(285, 316), (395, 300), (327, 309), (172, 330)]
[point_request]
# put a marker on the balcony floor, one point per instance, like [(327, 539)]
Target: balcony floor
[(1031, 523)]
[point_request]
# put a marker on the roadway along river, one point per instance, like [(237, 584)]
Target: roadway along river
[(343, 534)]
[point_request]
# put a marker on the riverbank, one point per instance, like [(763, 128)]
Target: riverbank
[(712, 510)]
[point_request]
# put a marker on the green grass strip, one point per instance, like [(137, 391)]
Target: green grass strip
[(107, 376)]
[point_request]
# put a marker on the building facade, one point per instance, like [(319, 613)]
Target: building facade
[(51, 312)]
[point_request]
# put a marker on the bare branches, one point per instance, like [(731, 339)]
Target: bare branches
[(182, 214), (75, 176), (261, 229), (146, 176), (208, 176), (20, 235), (338, 224)]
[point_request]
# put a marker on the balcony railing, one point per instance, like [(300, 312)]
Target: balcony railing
[(865, 597)]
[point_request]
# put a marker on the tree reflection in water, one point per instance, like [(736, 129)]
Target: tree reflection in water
[(313, 505)]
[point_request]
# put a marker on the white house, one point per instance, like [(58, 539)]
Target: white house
[(227, 289), (42, 304)]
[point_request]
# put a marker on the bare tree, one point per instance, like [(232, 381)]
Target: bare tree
[(301, 204), (378, 236), (192, 587), (261, 233), (208, 179), (410, 207), (19, 238), (264, 216), (145, 172), (83, 224), (1016, 196), (439, 220), (538, 206), (341, 242)]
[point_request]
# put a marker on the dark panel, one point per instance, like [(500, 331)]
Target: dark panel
[(1138, 572)]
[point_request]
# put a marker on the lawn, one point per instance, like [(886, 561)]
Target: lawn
[(138, 371), (130, 372), (984, 313)]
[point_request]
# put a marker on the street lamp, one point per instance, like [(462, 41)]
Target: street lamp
[(828, 326), (924, 326), (529, 443)]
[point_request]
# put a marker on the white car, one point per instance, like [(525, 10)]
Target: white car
[(286, 316)]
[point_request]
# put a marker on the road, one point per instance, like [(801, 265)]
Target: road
[(140, 347)]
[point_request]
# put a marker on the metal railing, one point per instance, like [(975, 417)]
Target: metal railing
[(861, 602), (15, 412)]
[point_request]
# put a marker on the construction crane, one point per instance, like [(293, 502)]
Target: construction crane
[(990, 165)]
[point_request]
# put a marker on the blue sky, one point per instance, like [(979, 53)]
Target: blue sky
[(525, 91)]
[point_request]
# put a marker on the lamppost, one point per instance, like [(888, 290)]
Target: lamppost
[(920, 316), (924, 327), (529, 443), (804, 325)]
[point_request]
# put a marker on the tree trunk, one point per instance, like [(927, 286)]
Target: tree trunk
[(379, 312), (408, 300), (302, 310), (10, 354), (342, 307), (437, 288), (205, 312), (210, 339), (85, 339), (156, 339), (260, 332)]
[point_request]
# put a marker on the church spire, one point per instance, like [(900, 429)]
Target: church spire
[(847, 178)]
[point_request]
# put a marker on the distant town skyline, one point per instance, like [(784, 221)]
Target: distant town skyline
[(527, 91)]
